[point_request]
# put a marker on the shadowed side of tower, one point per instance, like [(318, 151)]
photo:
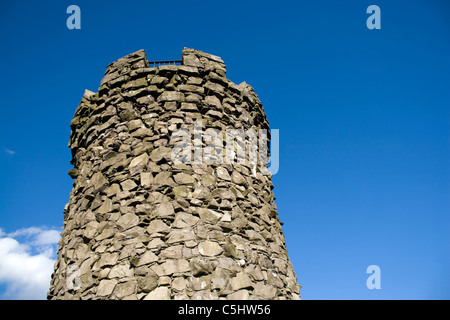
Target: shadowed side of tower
[(141, 224)]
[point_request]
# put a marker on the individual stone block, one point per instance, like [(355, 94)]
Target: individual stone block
[(146, 179), (264, 291), (184, 220), (223, 173), (160, 153), (121, 271), (173, 252), (128, 221), (159, 81), (128, 185), (189, 107), (125, 289), (237, 178), (241, 281), (190, 88), (106, 287), (147, 258), (209, 215), (148, 283), (200, 265), (171, 266), (183, 178), (161, 293), (157, 226), (171, 96), (106, 206), (165, 210), (176, 236), (178, 284), (139, 161), (191, 60), (239, 295), (209, 248), (213, 101)]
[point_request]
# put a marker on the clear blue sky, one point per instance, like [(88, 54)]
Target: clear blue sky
[(363, 117)]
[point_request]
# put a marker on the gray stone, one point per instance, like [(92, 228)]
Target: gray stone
[(204, 295), (209, 248), (179, 284), (128, 185), (161, 293), (160, 153), (237, 178), (173, 252), (199, 283), (163, 179), (190, 107), (157, 226), (157, 80), (165, 210), (209, 215), (180, 192), (213, 101), (171, 96), (105, 288), (91, 229), (183, 178), (148, 283), (146, 258), (241, 281), (106, 207), (135, 124), (208, 180), (108, 259), (184, 220), (201, 193), (200, 266), (171, 266), (125, 289), (146, 179), (121, 271), (107, 233), (142, 133), (176, 236), (239, 295), (191, 60), (265, 291), (222, 173), (220, 279), (128, 221), (139, 161)]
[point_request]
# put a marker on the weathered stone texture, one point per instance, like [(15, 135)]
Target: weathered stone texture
[(139, 226)]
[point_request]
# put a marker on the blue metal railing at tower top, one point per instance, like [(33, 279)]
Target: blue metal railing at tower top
[(158, 63)]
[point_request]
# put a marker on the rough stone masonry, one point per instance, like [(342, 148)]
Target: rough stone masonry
[(138, 225)]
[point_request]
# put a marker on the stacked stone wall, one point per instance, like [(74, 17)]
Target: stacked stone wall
[(140, 225)]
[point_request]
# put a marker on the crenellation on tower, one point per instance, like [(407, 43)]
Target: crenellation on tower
[(143, 223)]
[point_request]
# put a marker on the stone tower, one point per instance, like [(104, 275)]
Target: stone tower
[(141, 224)]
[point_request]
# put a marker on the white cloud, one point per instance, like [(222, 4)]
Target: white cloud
[(10, 152), (26, 265)]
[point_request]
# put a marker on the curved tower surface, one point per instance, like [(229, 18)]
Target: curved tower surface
[(169, 200)]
